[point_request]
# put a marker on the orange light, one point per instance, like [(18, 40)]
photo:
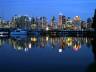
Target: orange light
[(76, 47), (33, 39)]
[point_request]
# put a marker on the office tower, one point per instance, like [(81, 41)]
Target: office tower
[(89, 23), (77, 23), (43, 22), (52, 24), (33, 23), (61, 21)]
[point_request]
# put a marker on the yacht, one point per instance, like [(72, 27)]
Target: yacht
[(19, 32)]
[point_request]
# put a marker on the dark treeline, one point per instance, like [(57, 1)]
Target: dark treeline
[(94, 21), (92, 66)]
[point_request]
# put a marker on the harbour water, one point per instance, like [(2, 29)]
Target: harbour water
[(47, 54)]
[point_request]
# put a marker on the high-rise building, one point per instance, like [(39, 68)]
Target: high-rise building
[(0, 22), (38, 23), (69, 25), (83, 25), (77, 23), (61, 21), (13, 22), (89, 23), (33, 23), (52, 24), (43, 21)]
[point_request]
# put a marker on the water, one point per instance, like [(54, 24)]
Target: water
[(46, 54)]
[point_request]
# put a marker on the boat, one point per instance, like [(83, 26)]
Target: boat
[(19, 32), (4, 31)]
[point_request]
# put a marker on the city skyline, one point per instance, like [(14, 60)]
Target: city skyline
[(48, 8)]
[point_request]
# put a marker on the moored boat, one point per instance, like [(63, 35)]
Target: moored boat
[(19, 32)]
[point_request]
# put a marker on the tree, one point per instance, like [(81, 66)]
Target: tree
[(94, 21)]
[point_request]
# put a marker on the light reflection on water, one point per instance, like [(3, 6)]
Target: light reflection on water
[(60, 43), (47, 52)]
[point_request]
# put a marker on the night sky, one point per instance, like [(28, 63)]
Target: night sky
[(48, 8)]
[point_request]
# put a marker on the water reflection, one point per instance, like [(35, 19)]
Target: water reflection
[(60, 53), (60, 43), (92, 66)]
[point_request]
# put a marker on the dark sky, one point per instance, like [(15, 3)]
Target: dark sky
[(48, 8)]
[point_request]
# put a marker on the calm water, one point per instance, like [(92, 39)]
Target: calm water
[(59, 54)]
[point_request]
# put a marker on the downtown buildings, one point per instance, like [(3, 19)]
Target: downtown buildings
[(42, 23)]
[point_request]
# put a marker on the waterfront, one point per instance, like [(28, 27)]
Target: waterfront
[(44, 53), (47, 36)]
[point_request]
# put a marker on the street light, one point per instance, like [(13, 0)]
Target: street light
[(47, 28)]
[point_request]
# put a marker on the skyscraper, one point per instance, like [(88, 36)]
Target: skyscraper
[(77, 23), (61, 21), (52, 22), (43, 21)]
